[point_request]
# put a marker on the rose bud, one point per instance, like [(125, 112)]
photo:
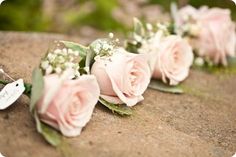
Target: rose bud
[(72, 105), (170, 58), (123, 77), (215, 39)]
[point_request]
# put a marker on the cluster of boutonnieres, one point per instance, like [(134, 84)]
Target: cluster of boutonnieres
[(71, 78)]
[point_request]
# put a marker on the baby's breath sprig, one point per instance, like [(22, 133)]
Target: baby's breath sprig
[(104, 47), (60, 59), (143, 32), (189, 28), (163, 27)]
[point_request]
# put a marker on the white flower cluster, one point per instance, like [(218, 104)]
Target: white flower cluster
[(151, 44), (163, 28), (151, 31), (104, 47), (60, 60), (190, 26), (190, 29)]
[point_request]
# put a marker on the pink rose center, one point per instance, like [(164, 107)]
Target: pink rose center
[(136, 76)]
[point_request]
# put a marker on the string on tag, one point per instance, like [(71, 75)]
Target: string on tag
[(4, 73)]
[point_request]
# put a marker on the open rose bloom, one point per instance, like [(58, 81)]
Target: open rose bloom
[(122, 77), (213, 29), (170, 57), (71, 105)]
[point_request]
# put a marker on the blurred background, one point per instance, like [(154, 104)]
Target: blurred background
[(89, 17)]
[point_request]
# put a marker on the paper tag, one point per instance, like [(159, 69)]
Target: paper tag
[(1, 155), (234, 1), (0, 4), (10, 93)]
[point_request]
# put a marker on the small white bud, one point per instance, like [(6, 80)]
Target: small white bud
[(97, 58), (161, 26), (51, 57), (58, 70), (69, 65), (76, 53), (137, 38), (86, 69), (76, 66), (71, 58), (110, 47), (44, 65), (49, 70), (194, 30), (97, 48), (57, 51), (134, 42), (151, 33), (149, 26), (110, 53), (77, 74), (106, 46), (64, 50), (111, 35), (70, 51), (199, 61), (61, 59)]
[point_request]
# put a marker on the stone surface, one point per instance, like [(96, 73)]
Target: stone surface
[(201, 122)]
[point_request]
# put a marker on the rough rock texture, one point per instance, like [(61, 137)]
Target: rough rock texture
[(200, 123)]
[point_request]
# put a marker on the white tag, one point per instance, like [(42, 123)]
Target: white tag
[(10, 93), (234, 1), (1, 155), (0, 4), (234, 155)]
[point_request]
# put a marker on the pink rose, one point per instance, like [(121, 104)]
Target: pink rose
[(216, 34), (123, 77), (72, 105), (173, 60)]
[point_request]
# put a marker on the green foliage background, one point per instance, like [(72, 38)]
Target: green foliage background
[(28, 15), (21, 15)]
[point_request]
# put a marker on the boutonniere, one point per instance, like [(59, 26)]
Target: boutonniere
[(203, 29), (170, 56)]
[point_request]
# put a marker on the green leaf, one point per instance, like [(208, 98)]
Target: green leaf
[(76, 47), (171, 28), (158, 85), (3, 82), (232, 62), (131, 47), (138, 27), (38, 123), (37, 87), (89, 58), (218, 69), (28, 88), (174, 16), (50, 135), (121, 109)]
